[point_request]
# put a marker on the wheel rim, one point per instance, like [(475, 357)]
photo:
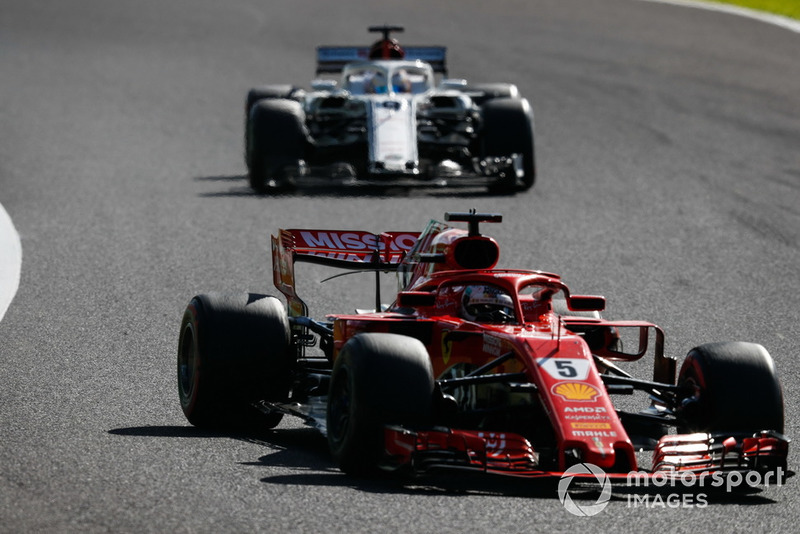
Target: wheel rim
[(187, 368), (693, 406), (340, 405)]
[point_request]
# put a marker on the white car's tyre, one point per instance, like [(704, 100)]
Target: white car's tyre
[(257, 94), (508, 129), (279, 141)]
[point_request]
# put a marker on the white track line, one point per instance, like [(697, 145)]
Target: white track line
[(777, 20), (10, 261)]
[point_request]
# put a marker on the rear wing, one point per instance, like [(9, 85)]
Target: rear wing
[(345, 249), (332, 59)]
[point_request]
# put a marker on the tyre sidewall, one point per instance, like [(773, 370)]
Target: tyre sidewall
[(257, 94), (390, 381), (508, 129), (736, 386), (240, 354), (278, 139)]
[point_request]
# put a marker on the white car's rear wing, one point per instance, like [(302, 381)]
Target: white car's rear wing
[(332, 59)]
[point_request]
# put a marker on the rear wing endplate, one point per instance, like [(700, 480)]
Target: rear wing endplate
[(345, 249), (332, 59)]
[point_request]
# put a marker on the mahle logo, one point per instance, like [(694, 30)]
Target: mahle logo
[(584, 509)]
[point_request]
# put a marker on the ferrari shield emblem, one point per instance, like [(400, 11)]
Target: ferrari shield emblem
[(447, 346)]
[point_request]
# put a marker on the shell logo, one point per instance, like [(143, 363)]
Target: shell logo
[(576, 391)]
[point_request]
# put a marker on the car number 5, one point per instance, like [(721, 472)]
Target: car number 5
[(565, 369)]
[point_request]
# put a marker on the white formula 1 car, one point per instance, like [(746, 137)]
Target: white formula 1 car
[(393, 117)]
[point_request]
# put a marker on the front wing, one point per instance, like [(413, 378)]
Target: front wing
[(678, 458)]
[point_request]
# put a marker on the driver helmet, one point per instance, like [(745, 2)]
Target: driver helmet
[(386, 49), (376, 82), (486, 303), (401, 82)]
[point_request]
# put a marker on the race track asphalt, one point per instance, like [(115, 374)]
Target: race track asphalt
[(669, 181)]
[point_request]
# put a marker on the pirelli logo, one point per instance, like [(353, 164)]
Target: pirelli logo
[(591, 426)]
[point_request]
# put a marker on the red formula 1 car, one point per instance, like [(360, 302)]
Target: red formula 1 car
[(472, 367)]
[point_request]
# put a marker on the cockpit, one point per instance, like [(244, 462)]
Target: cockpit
[(387, 78)]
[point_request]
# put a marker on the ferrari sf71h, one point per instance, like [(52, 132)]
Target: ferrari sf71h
[(472, 367)]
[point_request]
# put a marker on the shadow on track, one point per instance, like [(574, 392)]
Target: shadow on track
[(303, 452), (317, 187)]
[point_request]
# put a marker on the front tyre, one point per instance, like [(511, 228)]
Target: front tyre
[(377, 379), (257, 94), (233, 351), (278, 142), (732, 388), (508, 129)]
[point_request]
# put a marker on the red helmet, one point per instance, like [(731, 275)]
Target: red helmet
[(386, 49)]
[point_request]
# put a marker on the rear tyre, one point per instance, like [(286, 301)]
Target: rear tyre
[(508, 129), (733, 388), (278, 141), (233, 351), (377, 379)]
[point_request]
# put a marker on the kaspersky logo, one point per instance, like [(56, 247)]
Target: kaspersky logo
[(567, 480)]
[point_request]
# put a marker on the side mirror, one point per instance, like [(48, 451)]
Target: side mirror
[(323, 85), (453, 83), (415, 299), (586, 303)]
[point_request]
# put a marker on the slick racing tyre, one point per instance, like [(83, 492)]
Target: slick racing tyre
[(508, 129), (377, 379), (233, 350), (261, 93), (277, 140), (732, 387)]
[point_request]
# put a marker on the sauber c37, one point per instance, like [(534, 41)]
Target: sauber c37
[(390, 118)]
